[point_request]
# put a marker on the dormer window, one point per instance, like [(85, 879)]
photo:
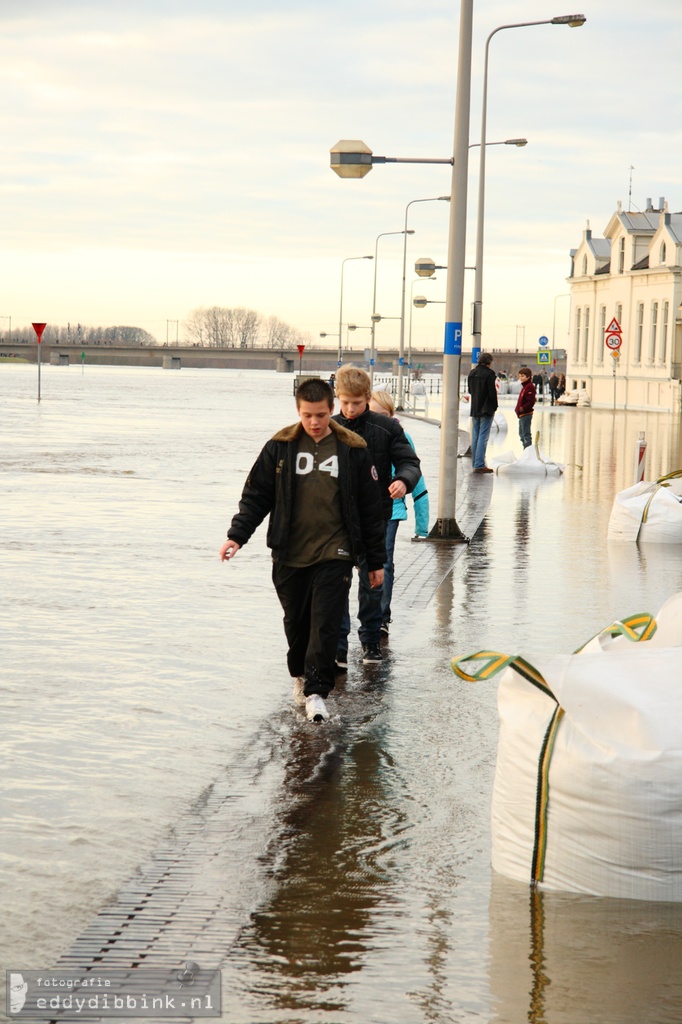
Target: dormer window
[(621, 256), (662, 254), (584, 265)]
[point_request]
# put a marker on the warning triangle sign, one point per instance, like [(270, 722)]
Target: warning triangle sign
[(614, 327)]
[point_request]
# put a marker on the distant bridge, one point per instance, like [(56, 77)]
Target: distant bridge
[(175, 356)]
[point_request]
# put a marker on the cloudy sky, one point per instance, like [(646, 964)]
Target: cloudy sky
[(158, 156)]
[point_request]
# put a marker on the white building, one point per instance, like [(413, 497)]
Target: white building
[(632, 275)]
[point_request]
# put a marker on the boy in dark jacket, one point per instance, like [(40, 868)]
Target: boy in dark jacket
[(317, 483), (524, 406), (399, 472)]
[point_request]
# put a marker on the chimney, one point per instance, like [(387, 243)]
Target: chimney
[(661, 202), (649, 207)]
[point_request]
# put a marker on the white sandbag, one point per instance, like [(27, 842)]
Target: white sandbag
[(529, 463), (650, 512), (588, 785)]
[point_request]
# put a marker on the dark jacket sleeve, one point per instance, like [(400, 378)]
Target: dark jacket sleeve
[(370, 511), (258, 496), (406, 465)]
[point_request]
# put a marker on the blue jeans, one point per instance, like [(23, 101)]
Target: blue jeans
[(524, 430), (389, 570), (480, 431), (369, 614)]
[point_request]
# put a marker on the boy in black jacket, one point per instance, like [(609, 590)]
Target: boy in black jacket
[(399, 472), (317, 483)]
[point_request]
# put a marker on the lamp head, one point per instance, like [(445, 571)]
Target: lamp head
[(351, 158), (425, 267), (572, 20), (516, 142), (420, 301)]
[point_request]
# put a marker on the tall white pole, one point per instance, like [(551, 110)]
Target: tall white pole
[(572, 20), (372, 351), (343, 262), (446, 527), (401, 348)]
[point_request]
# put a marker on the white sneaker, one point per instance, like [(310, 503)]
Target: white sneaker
[(299, 695), (315, 708)]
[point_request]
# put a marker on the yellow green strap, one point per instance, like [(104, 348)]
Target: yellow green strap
[(542, 798), (492, 662), (635, 628)]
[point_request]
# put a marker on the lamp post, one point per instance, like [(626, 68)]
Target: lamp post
[(401, 347), (374, 296), (343, 263), (356, 327), (417, 280), (573, 21), (565, 295)]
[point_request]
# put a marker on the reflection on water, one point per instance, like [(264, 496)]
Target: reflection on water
[(138, 669), (562, 958)]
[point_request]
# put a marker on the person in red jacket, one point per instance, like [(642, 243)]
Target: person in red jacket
[(525, 405)]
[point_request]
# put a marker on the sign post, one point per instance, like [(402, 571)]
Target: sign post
[(613, 339), (300, 357), (39, 328)]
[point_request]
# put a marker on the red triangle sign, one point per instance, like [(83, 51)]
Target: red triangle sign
[(300, 349), (39, 328), (613, 328)]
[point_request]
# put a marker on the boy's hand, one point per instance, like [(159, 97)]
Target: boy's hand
[(376, 578), (228, 550), (397, 489)]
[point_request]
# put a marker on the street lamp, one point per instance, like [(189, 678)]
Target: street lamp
[(343, 263), (374, 297), (401, 347), (573, 21), (417, 280), (565, 295)]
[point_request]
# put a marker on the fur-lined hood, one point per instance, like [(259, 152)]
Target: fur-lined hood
[(348, 437)]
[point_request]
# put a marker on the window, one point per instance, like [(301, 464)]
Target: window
[(584, 265), (621, 256), (576, 342), (661, 256), (586, 333), (599, 352), (640, 333), (619, 315), (654, 329), (664, 334)]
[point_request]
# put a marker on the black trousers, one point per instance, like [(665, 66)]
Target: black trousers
[(313, 600)]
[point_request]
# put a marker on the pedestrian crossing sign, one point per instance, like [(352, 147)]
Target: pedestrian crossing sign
[(544, 356)]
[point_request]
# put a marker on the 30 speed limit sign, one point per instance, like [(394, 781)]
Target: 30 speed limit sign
[(613, 341)]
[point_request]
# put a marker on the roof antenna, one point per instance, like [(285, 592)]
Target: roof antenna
[(630, 190)]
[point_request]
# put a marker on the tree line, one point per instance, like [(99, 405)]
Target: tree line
[(207, 327), (81, 334)]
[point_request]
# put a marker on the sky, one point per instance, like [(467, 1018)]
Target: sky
[(160, 156)]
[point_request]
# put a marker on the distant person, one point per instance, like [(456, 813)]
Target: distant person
[(525, 404), (562, 385), (539, 384), (317, 482), (553, 388), (382, 403), (332, 382), (398, 470), (483, 393)]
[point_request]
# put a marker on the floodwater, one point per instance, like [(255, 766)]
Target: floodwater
[(138, 672)]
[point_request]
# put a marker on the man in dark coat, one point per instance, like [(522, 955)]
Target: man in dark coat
[(317, 483), (399, 472), (483, 391)]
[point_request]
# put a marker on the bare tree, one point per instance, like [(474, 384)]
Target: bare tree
[(247, 325)]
